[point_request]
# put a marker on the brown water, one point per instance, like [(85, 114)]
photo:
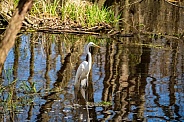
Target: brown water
[(131, 80)]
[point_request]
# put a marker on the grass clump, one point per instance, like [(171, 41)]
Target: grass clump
[(95, 15), (42, 8), (87, 14), (82, 13)]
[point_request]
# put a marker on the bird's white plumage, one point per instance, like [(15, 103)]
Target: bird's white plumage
[(81, 79), (81, 74)]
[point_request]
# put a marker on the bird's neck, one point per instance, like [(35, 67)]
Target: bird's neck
[(89, 57), (89, 60)]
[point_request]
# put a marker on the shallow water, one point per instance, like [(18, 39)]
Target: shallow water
[(131, 80)]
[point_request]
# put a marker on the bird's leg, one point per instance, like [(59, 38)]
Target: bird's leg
[(86, 95), (87, 82)]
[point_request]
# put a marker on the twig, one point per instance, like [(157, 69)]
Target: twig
[(174, 4)]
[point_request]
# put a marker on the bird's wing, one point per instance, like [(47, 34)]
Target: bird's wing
[(84, 83), (80, 70)]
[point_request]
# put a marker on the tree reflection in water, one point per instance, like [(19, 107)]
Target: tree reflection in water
[(142, 83)]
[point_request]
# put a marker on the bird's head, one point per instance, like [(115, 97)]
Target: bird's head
[(92, 44)]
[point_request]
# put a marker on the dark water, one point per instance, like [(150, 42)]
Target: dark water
[(131, 80)]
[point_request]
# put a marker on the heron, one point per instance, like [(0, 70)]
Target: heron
[(81, 78)]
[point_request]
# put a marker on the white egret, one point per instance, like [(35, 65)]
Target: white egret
[(81, 78)]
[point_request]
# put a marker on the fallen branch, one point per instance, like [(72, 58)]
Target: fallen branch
[(66, 31)]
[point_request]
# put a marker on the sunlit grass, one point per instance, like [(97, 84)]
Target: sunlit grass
[(95, 15), (15, 3), (84, 14), (87, 15), (42, 8)]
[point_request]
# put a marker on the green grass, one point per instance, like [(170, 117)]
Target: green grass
[(41, 8), (15, 3), (86, 14)]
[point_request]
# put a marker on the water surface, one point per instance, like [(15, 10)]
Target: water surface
[(130, 80)]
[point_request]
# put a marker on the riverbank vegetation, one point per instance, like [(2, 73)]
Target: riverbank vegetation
[(109, 17), (75, 15), (87, 14), (80, 13)]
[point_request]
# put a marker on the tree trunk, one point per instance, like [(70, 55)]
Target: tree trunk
[(13, 28)]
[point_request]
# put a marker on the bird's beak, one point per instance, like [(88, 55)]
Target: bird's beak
[(97, 46)]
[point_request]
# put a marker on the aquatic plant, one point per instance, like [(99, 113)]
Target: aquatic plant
[(11, 102), (8, 74), (27, 88), (102, 103)]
